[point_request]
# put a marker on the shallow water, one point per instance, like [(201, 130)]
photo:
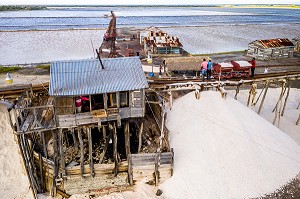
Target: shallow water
[(58, 33)]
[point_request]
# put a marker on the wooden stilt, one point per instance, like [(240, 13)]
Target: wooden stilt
[(140, 137), (55, 157), (237, 91), (46, 156), (29, 151), (81, 152), (41, 172), (115, 145), (127, 138), (285, 100), (61, 151), (263, 99), (130, 175), (171, 99), (106, 145), (104, 132), (156, 173), (74, 138), (283, 89), (89, 132)]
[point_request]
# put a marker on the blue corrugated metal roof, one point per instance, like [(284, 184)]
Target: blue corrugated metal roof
[(84, 77)]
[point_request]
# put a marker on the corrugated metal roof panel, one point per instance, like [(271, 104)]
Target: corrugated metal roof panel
[(84, 77), (273, 43)]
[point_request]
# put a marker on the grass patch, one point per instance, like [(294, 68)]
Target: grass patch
[(4, 69), (45, 67)]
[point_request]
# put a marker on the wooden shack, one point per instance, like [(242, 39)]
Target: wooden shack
[(271, 49), (159, 42), (296, 42), (93, 148)]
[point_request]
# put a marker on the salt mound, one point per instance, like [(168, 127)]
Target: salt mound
[(225, 150), (13, 181)]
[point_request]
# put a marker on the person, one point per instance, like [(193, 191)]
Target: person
[(78, 103), (203, 68), (208, 72), (253, 63)]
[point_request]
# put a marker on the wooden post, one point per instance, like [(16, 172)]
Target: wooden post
[(172, 161), (127, 138), (298, 119), (285, 100), (130, 176), (61, 151), (171, 99), (115, 145), (55, 173), (263, 99), (90, 99), (46, 156), (41, 172), (283, 89), (81, 152), (237, 91), (140, 137), (104, 132), (89, 132), (74, 138), (105, 146), (156, 173)]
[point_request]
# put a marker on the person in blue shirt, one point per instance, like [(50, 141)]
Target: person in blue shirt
[(208, 72)]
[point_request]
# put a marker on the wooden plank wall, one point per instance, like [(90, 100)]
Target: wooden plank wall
[(153, 168)]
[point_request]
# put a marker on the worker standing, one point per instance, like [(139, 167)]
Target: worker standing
[(203, 68), (253, 63), (208, 72)]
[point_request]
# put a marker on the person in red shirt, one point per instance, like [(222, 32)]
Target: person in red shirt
[(253, 63), (78, 103)]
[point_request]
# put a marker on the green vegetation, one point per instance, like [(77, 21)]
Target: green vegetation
[(286, 6), (45, 67), (4, 69), (14, 8)]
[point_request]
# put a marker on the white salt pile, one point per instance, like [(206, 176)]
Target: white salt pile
[(225, 150), (13, 181)]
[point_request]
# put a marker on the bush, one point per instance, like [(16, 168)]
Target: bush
[(4, 69)]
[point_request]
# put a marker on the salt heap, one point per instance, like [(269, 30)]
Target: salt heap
[(225, 150), (13, 181)]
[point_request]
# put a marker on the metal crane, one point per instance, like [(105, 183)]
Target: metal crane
[(109, 39)]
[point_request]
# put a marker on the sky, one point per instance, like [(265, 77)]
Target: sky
[(142, 2)]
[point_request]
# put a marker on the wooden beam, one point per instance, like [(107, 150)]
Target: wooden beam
[(140, 137), (55, 173), (89, 132), (263, 99), (127, 138), (130, 175), (41, 172), (81, 152), (61, 150), (156, 173), (75, 141), (285, 100), (115, 149), (106, 145)]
